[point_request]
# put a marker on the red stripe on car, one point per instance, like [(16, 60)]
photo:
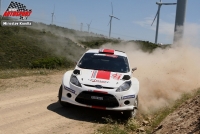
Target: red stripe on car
[(97, 91), (98, 107), (103, 75)]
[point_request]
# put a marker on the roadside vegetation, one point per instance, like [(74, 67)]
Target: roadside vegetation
[(13, 73), (49, 46), (144, 123), (149, 47), (96, 42)]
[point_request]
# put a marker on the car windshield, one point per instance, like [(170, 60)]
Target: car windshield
[(111, 63)]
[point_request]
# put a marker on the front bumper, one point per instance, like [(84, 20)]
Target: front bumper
[(100, 99)]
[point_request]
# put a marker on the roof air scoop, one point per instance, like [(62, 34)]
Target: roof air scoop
[(107, 51)]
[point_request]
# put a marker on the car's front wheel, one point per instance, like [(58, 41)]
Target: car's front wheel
[(64, 104), (132, 113)]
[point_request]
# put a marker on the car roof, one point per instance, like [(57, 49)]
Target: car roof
[(107, 51)]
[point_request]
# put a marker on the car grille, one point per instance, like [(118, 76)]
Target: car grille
[(85, 97)]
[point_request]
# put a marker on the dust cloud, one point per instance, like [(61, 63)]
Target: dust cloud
[(164, 74), (65, 42)]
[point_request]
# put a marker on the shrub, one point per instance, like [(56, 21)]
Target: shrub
[(51, 63)]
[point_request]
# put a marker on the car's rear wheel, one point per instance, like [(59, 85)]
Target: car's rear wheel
[(64, 104), (132, 113)]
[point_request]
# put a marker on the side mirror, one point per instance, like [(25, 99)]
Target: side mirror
[(133, 69)]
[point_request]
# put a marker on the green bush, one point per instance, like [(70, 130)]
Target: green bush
[(51, 63)]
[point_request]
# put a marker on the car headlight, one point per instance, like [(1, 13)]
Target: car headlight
[(75, 81), (124, 87)]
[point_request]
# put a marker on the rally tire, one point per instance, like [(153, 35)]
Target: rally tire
[(132, 113), (63, 104)]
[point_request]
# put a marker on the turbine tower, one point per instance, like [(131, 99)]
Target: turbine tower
[(89, 26), (180, 19), (0, 9), (52, 15), (110, 22), (158, 17)]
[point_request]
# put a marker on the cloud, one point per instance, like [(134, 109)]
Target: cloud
[(144, 23), (191, 30), (192, 33), (165, 28)]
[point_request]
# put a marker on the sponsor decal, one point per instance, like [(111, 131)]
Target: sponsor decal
[(128, 97), (101, 74), (100, 81), (116, 76), (110, 55), (17, 9), (94, 73), (69, 89)]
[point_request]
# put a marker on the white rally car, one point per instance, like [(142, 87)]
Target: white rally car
[(102, 79)]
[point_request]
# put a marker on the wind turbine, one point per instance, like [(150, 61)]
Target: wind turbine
[(158, 17), (180, 19), (110, 22), (0, 9), (89, 26), (52, 15)]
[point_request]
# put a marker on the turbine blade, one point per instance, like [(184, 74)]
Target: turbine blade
[(155, 17), (54, 8), (116, 17), (168, 3), (112, 8), (90, 21)]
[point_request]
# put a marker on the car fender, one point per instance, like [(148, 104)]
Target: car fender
[(66, 78), (135, 84)]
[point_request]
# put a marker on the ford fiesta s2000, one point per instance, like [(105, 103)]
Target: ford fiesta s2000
[(102, 79)]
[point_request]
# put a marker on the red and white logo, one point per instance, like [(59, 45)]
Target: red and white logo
[(17, 9), (116, 76)]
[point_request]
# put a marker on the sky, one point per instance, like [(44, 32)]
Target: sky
[(135, 16)]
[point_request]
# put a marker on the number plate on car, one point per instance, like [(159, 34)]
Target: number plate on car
[(96, 98)]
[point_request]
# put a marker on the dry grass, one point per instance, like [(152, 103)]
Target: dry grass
[(137, 125), (13, 73)]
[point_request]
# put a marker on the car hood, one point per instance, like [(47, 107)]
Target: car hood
[(99, 77)]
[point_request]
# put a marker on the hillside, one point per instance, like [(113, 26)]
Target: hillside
[(22, 47), (186, 119), (39, 47), (50, 46)]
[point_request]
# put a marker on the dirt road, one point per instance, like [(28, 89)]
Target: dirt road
[(28, 105)]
